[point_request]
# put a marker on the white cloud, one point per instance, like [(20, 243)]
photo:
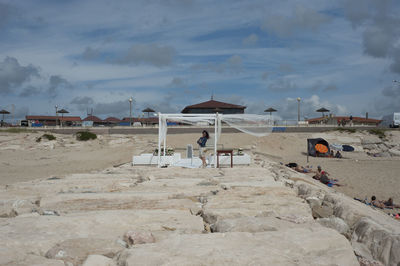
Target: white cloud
[(251, 39)]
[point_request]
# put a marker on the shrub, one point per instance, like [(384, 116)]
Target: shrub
[(379, 132), (85, 135), (49, 136)]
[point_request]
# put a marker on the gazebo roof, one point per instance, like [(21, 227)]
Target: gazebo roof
[(148, 110), (270, 110), (4, 112), (212, 104), (322, 110)]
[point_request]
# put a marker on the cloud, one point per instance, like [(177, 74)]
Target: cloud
[(301, 19), (152, 54), (380, 23), (233, 64), (30, 91), (56, 83), (252, 39), (264, 76), (389, 101), (82, 102), (13, 75), (287, 108), (321, 86), (285, 68), (113, 108), (5, 11), (178, 83), (90, 53), (282, 85)]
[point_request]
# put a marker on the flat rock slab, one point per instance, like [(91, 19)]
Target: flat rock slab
[(318, 246)]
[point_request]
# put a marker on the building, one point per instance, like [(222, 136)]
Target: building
[(213, 106), (143, 120), (96, 121), (112, 121), (47, 120), (336, 120)]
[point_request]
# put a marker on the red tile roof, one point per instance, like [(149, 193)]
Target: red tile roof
[(141, 120), (93, 118), (49, 117), (347, 118), (112, 119), (213, 104)]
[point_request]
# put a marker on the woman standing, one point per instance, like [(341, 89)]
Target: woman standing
[(202, 147)]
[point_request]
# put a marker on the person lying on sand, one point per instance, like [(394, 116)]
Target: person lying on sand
[(389, 204), (299, 168), (377, 203)]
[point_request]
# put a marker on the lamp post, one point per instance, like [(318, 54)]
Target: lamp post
[(130, 111), (298, 109), (56, 114)]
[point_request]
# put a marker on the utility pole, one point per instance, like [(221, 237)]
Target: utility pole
[(298, 109), (130, 111)]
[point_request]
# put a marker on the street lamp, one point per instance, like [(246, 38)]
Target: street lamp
[(298, 109), (56, 115), (130, 111)]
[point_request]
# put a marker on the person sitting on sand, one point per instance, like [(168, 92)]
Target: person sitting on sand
[(338, 154), (327, 181), (202, 146), (319, 172), (389, 204)]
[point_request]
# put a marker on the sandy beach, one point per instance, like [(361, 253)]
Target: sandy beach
[(66, 202), (24, 159)]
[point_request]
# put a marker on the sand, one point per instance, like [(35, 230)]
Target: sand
[(23, 159)]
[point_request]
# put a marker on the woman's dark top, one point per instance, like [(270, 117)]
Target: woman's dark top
[(202, 141)]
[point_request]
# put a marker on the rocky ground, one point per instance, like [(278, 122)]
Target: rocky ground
[(147, 216)]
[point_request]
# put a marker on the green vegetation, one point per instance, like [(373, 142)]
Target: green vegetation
[(17, 130), (347, 130), (46, 136), (85, 135), (379, 132)]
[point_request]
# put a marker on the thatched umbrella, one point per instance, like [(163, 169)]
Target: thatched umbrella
[(4, 112), (322, 110), (270, 110), (62, 112), (148, 111)]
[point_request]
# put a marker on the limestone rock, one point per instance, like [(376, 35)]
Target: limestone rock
[(322, 211), (76, 251), (371, 140), (335, 223), (244, 224), (313, 201), (12, 208), (138, 237), (98, 260), (301, 246), (371, 239)]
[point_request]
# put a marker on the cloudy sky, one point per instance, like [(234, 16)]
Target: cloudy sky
[(166, 54)]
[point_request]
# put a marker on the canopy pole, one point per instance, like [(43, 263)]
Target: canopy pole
[(159, 139), (215, 139)]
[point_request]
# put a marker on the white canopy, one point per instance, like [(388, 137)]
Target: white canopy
[(256, 125)]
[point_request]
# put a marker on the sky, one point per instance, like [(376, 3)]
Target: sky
[(166, 54)]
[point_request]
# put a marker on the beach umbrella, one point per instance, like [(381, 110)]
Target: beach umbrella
[(62, 112), (270, 110), (4, 112), (322, 110), (148, 111)]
